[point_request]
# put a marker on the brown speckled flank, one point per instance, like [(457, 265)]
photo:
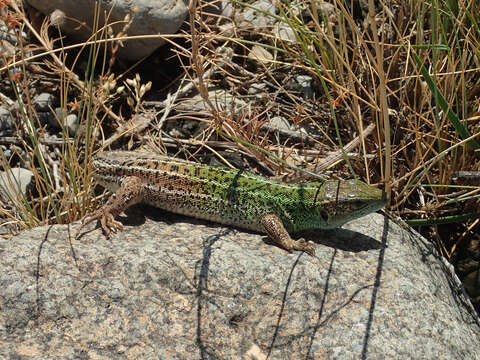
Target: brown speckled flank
[(231, 197)]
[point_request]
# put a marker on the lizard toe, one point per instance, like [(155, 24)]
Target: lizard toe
[(109, 224), (307, 246)]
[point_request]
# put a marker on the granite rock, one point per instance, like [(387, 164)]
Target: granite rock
[(14, 183), (149, 17), (188, 289)]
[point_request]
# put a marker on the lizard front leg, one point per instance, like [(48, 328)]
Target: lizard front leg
[(129, 193), (277, 232)]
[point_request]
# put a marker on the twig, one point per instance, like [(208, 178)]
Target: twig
[(134, 126), (327, 162), (56, 59), (9, 140)]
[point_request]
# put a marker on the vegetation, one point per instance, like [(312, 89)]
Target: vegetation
[(395, 80)]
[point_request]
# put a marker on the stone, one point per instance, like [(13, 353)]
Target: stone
[(149, 17), (7, 50), (280, 123), (6, 120), (15, 182), (222, 99), (189, 289), (9, 34), (257, 88), (305, 82), (56, 120), (44, 101), (285, 32), (259, 53), (68, 120), (327, 9), (71, 123), (251, 17)]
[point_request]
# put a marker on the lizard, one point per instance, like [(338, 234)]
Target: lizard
[(228, 196)]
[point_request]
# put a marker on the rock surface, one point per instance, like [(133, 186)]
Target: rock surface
[(149, 17), (14, 183), (6, 121), (187, 289)]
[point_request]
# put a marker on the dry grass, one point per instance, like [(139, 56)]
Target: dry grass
[(410, 68)]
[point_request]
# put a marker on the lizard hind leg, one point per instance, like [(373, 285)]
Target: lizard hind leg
[(277, 232)]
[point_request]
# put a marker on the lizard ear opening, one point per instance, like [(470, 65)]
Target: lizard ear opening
[(324, 215)]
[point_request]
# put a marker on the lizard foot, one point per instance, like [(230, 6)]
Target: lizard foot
[(107, 222), (303, 245)]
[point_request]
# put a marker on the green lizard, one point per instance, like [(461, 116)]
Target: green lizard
[(231, 197)]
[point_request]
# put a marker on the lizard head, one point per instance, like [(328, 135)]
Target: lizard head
[(335, 202)]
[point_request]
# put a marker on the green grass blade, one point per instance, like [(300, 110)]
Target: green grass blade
[(442, 103)]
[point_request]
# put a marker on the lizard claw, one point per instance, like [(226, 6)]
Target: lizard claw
[(107, 222), (303, 245)]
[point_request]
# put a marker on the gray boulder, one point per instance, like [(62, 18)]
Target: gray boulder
[(149, 17), (186, 289), (14, 183)]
